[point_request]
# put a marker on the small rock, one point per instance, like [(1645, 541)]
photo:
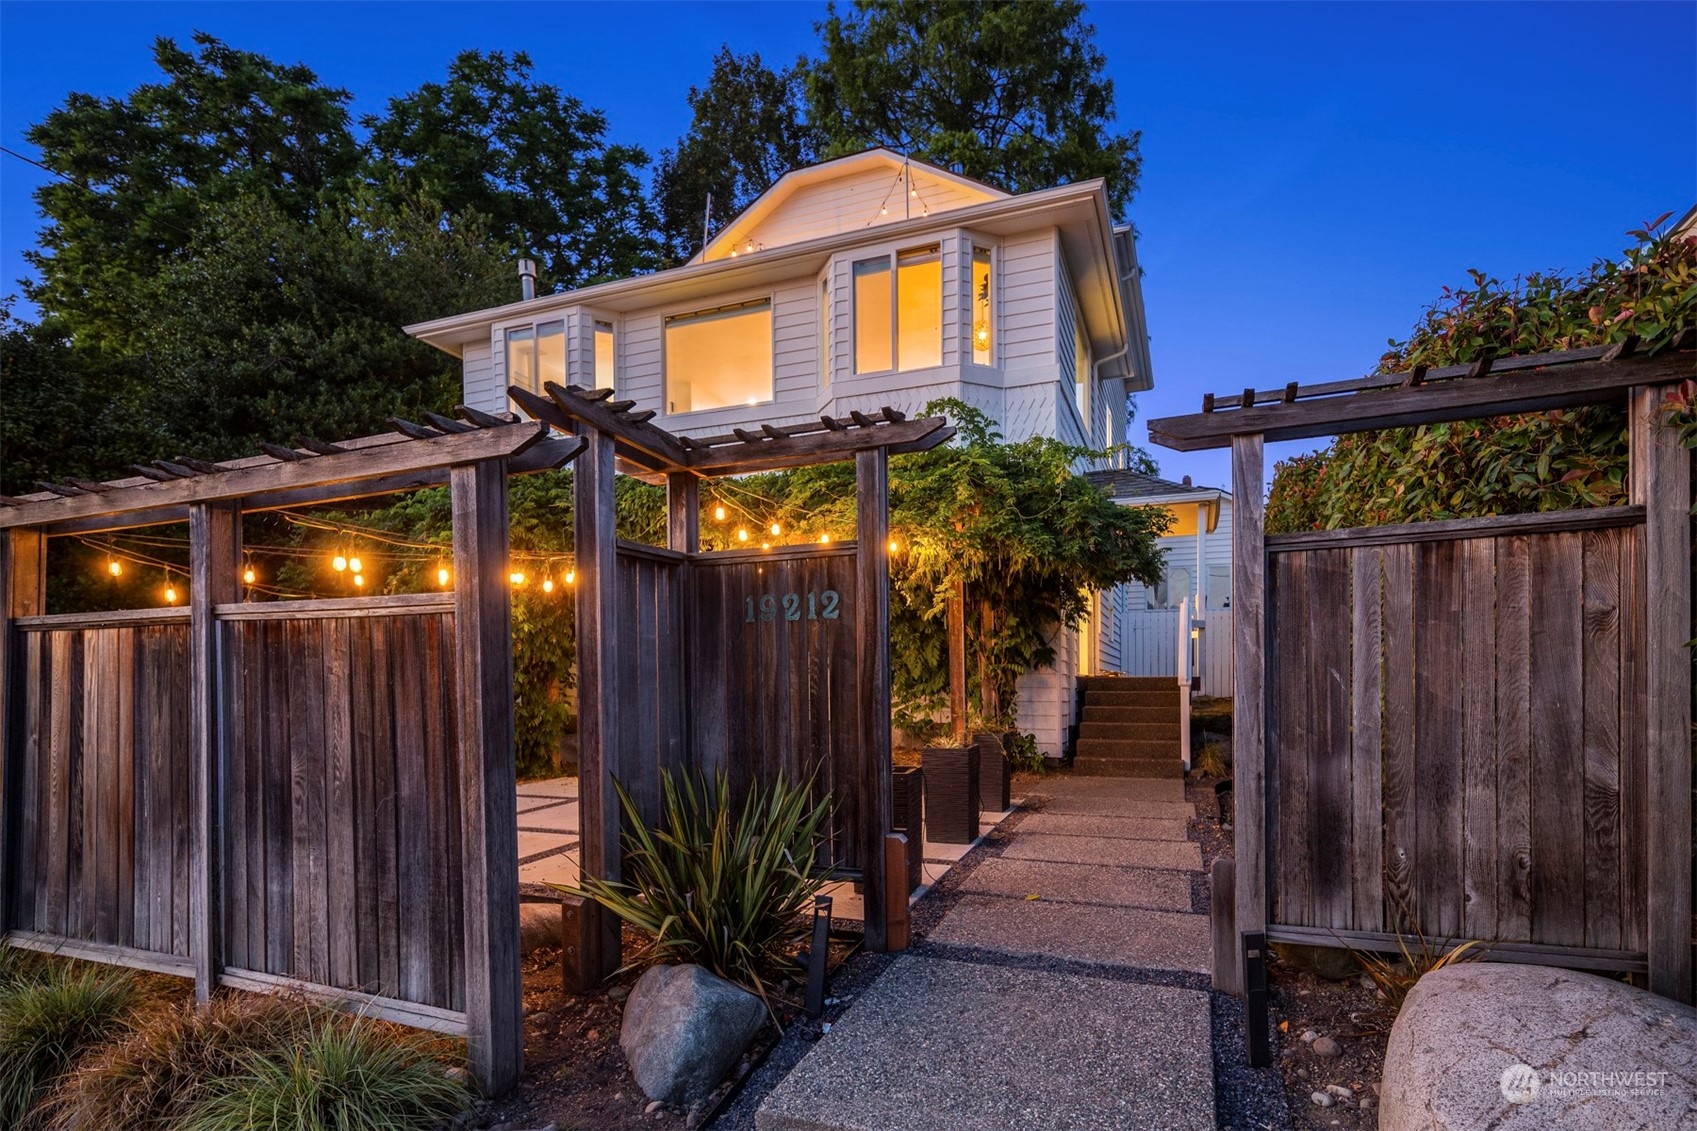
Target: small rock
[(1321, 1099), (1326, 1047), (1309, 1036), (1340, 1091), (683, 1030), (653, 1106), (1366, 1103), (618, 993), (459, 1076), (618, 1095), (542, 1018), (592, 1036), (1302, 1072), (825, 1027)]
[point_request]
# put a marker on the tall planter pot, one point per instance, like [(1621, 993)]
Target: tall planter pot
[(951, 793), (907, 797), (995, 774)]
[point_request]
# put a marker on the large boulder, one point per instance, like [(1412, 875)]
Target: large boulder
[(1485, 1044), (684, 1028)]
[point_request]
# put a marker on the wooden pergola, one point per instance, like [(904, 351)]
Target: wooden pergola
[(1484, 720), (677, 669), (315, 795)]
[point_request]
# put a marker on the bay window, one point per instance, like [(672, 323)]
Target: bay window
[(720, 357), (898, 311), (983, 324), (603, 355)]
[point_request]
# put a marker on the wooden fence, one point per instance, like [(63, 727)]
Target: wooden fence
[(1454, 732)]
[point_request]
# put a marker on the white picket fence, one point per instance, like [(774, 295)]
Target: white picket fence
[(1149, 646)]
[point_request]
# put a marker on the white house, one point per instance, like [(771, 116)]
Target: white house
[(1141, 629), (867, 281)]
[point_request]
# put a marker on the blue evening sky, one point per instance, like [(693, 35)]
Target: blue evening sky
[(1312, 173)]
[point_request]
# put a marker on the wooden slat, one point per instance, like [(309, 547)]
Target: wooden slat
[(1401, 839), (1594, 382), (1249, 680), (1366, 762), (1514, 739), (1662, 481), (339, 608), (1289, 711), (1600, 713), (1634, 804), (1329, 647), (872, 632), (1579, 958), (485, 752), (1452, 529), (1437, 736), (1557, 753), (1479, 738), (484, 443), (215, 556), (342, 813)]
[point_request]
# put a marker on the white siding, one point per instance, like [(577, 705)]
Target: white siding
[(852, 202), (1027, 339), (481, 378), (1046, 698)]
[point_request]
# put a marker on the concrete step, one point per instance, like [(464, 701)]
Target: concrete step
[(1128, 748), (1127, 682), (1128, 767), (1098, 714), (1162, 699), (1146, 731)]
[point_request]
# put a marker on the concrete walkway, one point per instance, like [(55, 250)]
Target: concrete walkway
[(1066, 988)]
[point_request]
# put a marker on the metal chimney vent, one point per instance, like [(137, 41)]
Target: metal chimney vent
[(527, 278)]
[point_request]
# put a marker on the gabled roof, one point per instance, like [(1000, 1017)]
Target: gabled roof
[(798, 180), (1135, 487)]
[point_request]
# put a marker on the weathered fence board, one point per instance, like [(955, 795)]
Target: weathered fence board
[(102, 848), (775, 655), (344, 798), (1487, 686)]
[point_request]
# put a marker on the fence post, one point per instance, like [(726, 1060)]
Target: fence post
[(1184, 675), (215, 562), (483, 674), (1661, 483), (23, 593), (596, 541), (872, 621), (1249, 689)]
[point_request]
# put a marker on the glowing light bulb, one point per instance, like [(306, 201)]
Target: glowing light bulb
[(750, 245), (114, 567), (913, 192), (516, 577), (442, 576), (884, 211), (338, 563), (765, 545), (893, 546), (742, 536), (248, 575), (547, 584), (983, 332), (823, 538), (776, 530), (733, 253), (571, 576), (353, 564), (719, 514), (359, 580), (170, 595)]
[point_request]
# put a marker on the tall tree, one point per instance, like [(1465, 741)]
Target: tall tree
[(1010, 93), (535, 161), (747, 131), (141, 172)]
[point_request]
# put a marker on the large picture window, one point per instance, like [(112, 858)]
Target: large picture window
[(898, 311), (536, 355), (720, 357)]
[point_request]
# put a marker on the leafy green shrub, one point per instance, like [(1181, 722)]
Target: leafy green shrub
[(151, 1079), (717, 887), (1025, 755), (350, 1074), (47, 1022)]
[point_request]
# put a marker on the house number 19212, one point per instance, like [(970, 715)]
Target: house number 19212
[(793, 606)]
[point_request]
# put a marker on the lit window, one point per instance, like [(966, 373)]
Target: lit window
[(721, 357), (899, 326), (536, 355), (603, 355), (983, 326), (1081, 368)]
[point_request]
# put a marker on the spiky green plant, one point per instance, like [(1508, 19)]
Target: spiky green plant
[(722, 888), (350, 1074), (46, 1023)]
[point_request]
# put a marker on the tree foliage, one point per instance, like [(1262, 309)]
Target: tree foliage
[(1512, 464), (492, 140), (747, 129), (1009, 93)]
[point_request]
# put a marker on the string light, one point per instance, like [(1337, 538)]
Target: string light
[(894, 546), (571, 576), (765, 545), (776, 530), (719, 514), (170, 590), (516, 577), (353, 564), (248, 575), (338, 563), (824, 538), (742, 535), (547, 584), (359, 580), (114, 566), (442, 575)]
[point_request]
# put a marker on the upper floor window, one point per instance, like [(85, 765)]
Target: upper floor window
[(720, 357), (536, 355), (983, 324), (898, 311), (603, 355)]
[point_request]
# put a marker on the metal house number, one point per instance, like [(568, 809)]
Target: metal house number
[(794, 606)]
